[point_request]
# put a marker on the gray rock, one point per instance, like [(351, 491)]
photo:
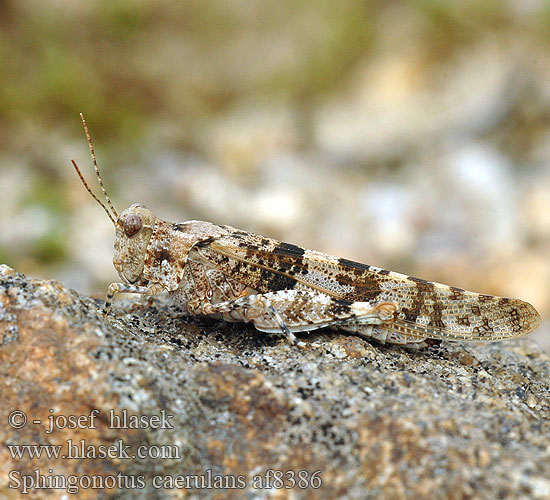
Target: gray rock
[(454, 421)]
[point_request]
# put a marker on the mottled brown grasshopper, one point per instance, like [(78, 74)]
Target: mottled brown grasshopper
[(239, 276)]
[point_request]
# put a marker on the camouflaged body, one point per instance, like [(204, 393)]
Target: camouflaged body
[(201, 263)]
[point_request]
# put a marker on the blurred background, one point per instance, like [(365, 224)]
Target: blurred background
[(414, 136)]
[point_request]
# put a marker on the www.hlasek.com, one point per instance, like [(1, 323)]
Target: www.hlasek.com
[(271, 479), (79, 450)]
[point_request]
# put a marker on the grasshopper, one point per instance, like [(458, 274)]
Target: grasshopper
[(235, 275)]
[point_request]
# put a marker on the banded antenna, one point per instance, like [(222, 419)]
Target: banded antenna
[(104, 191)]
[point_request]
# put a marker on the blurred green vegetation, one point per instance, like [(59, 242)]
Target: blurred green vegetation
[(197, 79), (58, 62), (126, 63)]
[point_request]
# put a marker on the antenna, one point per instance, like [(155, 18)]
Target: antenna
[(92, 193), (104, 191)]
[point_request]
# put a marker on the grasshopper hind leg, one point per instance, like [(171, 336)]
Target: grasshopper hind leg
[(208, 292), (292, 311), (385, 335), (282, 325)]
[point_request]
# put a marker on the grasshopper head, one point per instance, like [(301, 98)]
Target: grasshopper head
[(134, 229)]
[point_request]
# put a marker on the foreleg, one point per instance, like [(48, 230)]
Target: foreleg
[(114, 288)]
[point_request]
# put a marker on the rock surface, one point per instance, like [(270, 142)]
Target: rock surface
[(454, 421)]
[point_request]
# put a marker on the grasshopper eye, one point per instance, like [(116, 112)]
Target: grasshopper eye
[(132, 225)]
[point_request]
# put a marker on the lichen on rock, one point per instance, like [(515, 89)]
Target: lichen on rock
[(455, 421)]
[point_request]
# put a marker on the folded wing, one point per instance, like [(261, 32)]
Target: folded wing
[(426, 309)]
